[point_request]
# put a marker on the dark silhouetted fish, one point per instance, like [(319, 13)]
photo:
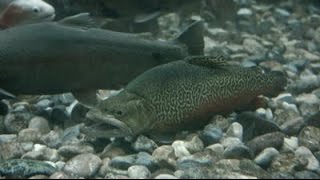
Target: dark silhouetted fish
[(181, 95), (49, 58)]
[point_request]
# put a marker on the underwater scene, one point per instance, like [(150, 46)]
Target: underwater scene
[(160, 89)]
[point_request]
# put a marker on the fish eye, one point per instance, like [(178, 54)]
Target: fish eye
[(36, 10), (119, 113)]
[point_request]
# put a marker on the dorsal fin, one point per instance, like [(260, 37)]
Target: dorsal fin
[(80, 20), (6, 95), (207, 61)]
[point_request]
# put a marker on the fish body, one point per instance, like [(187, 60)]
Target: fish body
[(182, 95), (20, 12), (49, 58)]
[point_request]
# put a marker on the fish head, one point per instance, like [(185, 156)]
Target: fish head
[(26, 12), (126, 112)]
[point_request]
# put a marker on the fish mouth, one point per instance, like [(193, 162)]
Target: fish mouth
[(106, 126)]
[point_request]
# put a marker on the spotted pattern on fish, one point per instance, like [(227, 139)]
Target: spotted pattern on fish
[(24, 168), (185, 94)]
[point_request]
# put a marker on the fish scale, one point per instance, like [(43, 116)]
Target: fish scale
[(184, 94)]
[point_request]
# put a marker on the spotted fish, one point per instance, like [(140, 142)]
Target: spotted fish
[(181, 95)]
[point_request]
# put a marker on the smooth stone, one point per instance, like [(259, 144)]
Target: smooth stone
[(5, 138), (308, 110), (290, 144), (314, 120), (306, 175), (123, 162), (245, 12), (165, 176), (165, 156), (309, 137), (317, 155), (111, 151), (282, 175), (59, 175), (138, 172), (43, 153), (14, 123), (71, 150), (230, 141), (145, 159), (293, 126), (253, 47), (220, 122), (84, 165), (259, 143), (104, 169), (235, 130), (308, 98), (29, 135), (60, 165), (53, 139), (144, 144), (11, 150), (313, 163), (200, 159), (211, 135), (71, 134), (284, 116), (216, 150), (44, 103), (238, 151), (266, 156), (195, 145), (39, 123), (254, 125), (285, 162), (179, 149), (240, 168)]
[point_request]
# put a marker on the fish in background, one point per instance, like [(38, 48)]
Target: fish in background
[(18, 12), (59, 58)]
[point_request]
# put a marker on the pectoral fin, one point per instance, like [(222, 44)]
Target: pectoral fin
[(81, 20), (87, 98), (6, 95)]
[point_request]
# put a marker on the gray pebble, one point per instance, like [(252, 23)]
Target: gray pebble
[(200, 159), (253, 47), (123, 162), (40, 124), (216, 150), (293, 126), (145, 159), (165, 156), (309, 137), (313, 163), (284, 162), (195, 145), (11, 150), (211, 135), (71, 150), (165, 176), (317, 155), (306, 175), (179, 149), (14, 123), (29, 135), (84, 165), (138, 172), (290, 144), (259, 143), (104, 167), (41, 152), (266, 156), (4, 138), (282, 14), (59, 175), (238, 151), (53, 139), (230, 141), (235, 130), (143, 143), (246, 12), (220, 122), (44, 103)]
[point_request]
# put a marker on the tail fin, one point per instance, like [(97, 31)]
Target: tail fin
[(192, 37)]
